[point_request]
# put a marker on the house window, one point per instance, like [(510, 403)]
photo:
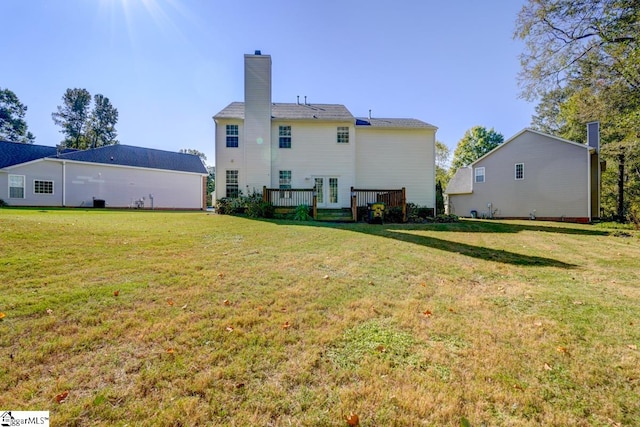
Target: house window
[(232, 184), (16, 186), (232, 135), (343, 135), (285, 136), (285, 184), (519, 170), (42, 187), (479, 174)]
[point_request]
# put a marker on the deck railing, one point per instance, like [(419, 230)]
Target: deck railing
[(291, 198), (391, 199)]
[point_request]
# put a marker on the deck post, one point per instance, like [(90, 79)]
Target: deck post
[(354, 205), (264, 193), (315, 205), (404, 204)]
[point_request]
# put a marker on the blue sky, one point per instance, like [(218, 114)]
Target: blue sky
[(169, 65)]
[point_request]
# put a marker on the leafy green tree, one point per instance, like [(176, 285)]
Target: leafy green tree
[(73, 116), (442, 163), (101, 129), (83, 126), (475, 143), (13, 127), (195, 152)]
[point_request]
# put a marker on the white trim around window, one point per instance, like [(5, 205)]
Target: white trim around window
[(519, 171), (479, 175), (42, 186), (17, 186)]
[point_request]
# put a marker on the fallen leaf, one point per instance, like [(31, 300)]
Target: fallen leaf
[(226, 302), (169, 301), (518, 387), (170, 350), (370, 282), (184, 306), (427, 313), (578, 303), (229, 329), (381, 348), (286, 325), (2, 315), (538, 324), (633, 346), (283, 309), (326, 277), (547, 367), (116, 293), (221, 275), (562, 350), (451, 310), (423, 284), (239, 385), (62, 397), (352, 419), (49, 311)]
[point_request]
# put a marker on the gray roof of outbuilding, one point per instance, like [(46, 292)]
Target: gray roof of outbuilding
[(393, 123), (293, 111), (14, 153), (126, 155)]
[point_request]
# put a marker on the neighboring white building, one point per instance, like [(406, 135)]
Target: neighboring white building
[(118, 176), (323, 146), (531, 175)]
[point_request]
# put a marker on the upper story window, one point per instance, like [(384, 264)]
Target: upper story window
[(343, 135), (232, 135), (42, 187), (284, 133), (519, 171), (16, 186), (233, 189), (479, 174)]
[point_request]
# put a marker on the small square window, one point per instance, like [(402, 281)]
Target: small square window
[(284, 133), (479, 174), (519, 171), (42, 187)]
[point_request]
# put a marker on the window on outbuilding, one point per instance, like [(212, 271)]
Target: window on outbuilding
[(16, 186), (42, 187), (232, 136), (479, 174), (284, 132), (519, 171)]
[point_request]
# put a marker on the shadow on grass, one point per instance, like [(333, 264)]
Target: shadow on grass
[(496, 226), (399, 232)]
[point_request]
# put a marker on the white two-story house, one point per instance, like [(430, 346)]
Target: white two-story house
[(260, 143)]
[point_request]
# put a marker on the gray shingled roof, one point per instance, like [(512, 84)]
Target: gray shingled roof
[(460, 183), (126, 155), (393, 123), (293, 111), (14, 153)]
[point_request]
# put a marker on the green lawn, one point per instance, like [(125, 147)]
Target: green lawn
[(185, 319)]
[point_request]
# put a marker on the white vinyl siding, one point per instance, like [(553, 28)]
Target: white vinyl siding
[(519, 171), (16, 187), (479, 175)]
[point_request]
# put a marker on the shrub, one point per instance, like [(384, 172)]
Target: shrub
[(446, 218), (3, 203), (393, 214), (302, 213), (258, 208)]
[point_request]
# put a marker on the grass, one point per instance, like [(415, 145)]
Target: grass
[(176, 319)]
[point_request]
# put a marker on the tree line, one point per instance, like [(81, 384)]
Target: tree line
[(86, 121)]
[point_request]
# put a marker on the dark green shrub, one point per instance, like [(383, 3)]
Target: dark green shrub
[(3, 203), (258, 208), (302, 213), (393, 214), (446, 218)]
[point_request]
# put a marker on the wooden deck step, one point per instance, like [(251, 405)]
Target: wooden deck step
[(335, 215)]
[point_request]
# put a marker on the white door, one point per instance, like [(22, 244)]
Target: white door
[(327, 191)]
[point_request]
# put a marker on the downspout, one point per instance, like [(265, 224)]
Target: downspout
[(64, 183), (589, 184)]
